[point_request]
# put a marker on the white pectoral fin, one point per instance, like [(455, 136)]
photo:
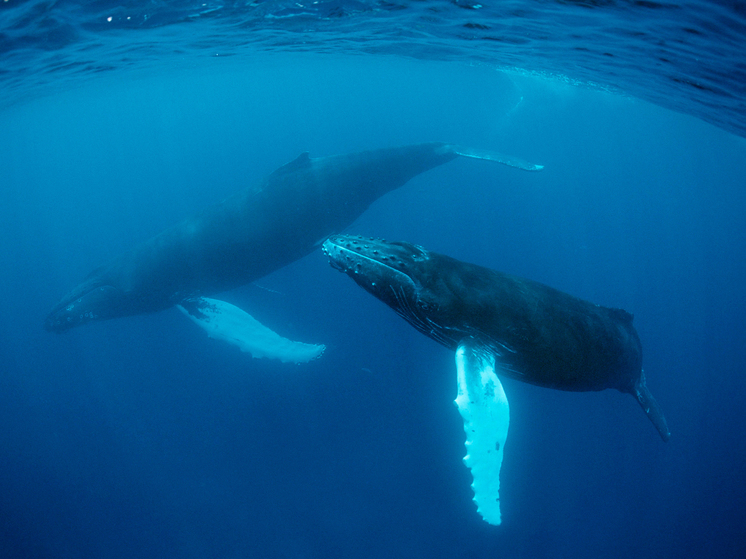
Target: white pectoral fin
[(483, 406), (227, 322), (487, 155)]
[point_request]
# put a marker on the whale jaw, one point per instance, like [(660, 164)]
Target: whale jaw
[(98, 303)]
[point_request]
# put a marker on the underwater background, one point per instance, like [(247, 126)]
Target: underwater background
[(141, 437)]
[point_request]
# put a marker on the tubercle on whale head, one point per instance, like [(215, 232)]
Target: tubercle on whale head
[(368, 259), (390, 271), (98, 303)]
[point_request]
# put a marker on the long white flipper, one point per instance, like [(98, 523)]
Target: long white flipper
[(483, 406), (494, 156), (224, 321)]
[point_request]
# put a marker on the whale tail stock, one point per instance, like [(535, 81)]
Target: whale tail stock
[(650, 407), (493, 156)]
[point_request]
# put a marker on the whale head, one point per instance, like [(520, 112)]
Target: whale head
[(86, 303), (401, 275)]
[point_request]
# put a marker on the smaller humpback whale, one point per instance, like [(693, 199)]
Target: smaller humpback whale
[(252, 233), (499, 324)]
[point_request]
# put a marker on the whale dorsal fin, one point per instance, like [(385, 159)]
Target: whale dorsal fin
[(621, 315), (300, 162)]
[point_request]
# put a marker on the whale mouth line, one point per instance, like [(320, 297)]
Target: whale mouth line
[(74, 310)]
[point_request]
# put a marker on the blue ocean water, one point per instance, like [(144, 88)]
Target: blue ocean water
[(139, 437)]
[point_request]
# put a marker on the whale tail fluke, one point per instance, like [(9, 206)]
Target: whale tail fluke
[(494, 156), (651, 407)]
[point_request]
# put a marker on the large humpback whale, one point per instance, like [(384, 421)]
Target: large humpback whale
[(252, 233), (499, 324)]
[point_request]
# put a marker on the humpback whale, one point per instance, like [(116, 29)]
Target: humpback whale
[(252, 233), (499, 324)]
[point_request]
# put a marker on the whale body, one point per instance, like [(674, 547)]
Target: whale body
[(252, 233), (499, 325)]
